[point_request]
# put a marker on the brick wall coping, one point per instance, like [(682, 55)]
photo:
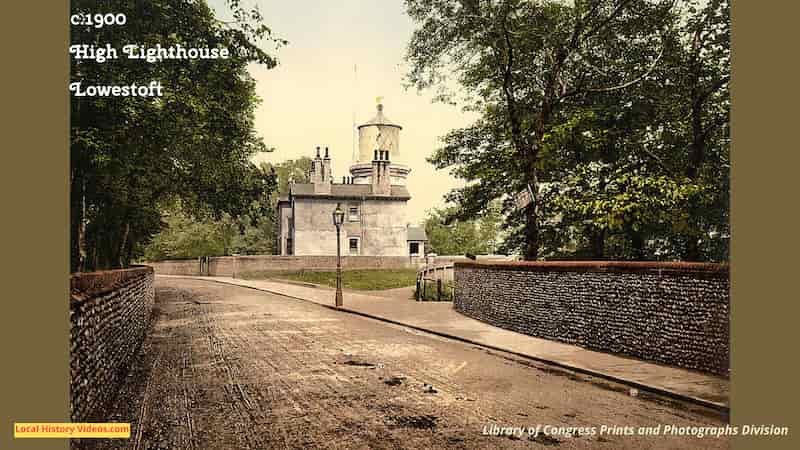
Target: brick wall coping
[(277, 257), (194, 258), (715, 270), (91, 284)]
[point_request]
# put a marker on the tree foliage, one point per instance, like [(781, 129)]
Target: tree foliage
[(450, 236), (130, 155), (255, 233), (290, 171), (614, 112)]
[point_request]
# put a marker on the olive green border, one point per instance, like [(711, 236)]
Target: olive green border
[(34, 189), (34, 218), (765, 317)]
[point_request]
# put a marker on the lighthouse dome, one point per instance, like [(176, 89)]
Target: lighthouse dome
[(379, 133)]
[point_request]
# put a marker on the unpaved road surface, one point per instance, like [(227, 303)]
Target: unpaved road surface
[(226, 367)]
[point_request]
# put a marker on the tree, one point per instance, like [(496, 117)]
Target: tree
[(524, 61), (627, 184), (580, 103), (290, 171), (131, 154), (448, 235), (184, 237), (706, 76), (254, 233)]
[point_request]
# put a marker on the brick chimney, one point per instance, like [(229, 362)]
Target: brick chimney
[(327, 172), (321, 173), (381, 181)]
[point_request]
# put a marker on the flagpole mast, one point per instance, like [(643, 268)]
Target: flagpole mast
[(355, 95)]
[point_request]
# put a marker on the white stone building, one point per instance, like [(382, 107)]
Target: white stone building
[(373, 198)]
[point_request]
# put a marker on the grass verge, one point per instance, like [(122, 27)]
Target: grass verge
[(365, 280)]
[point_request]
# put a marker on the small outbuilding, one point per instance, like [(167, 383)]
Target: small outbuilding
[(417, 241)]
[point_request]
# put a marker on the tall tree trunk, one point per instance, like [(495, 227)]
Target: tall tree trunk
[(82, 254), (535, 211), (531, 233), (123, 244), (696, 149), (526, 150), (75, 218), (637, 243), (597, 240), (532, 212)]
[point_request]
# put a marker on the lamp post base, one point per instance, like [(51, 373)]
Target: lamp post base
[(338, 218), (339, 301)]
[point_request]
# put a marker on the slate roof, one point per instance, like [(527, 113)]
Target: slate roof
[(351, 191), (416, 234)]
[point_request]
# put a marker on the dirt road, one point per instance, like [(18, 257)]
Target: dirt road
[(226, 367)]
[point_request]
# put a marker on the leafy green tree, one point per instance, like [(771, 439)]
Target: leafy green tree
[(590, 104), (131, 154), (291, 170), (447, 235), (625, 189), (259, 235), (255, 233), (184, 237), (704, 73), (521, 63)]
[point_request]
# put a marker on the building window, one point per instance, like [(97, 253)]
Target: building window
[(353, 215), (353, 246), (289, 249), (413, 248)]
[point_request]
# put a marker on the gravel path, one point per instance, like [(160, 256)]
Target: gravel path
[(226, 367)]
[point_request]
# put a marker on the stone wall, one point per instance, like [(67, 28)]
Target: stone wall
[(109, 317), (176, 267), (673, 313), (229, 266)]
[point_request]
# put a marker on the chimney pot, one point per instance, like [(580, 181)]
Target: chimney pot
[(326, 152), (318, 151)]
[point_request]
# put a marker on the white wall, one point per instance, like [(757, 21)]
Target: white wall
[(381, 230)]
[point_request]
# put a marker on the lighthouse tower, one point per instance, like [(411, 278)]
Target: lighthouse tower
[(379, 136)]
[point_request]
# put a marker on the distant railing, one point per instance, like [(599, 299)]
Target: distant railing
[(438, 277)]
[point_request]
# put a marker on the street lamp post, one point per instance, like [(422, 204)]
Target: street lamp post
[(338, 219)]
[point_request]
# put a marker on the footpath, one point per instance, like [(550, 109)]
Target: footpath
[(441, 319)]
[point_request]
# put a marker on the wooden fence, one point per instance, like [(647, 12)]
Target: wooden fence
[(440, 278)]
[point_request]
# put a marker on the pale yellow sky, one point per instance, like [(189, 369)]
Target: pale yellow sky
[(309, 99)]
